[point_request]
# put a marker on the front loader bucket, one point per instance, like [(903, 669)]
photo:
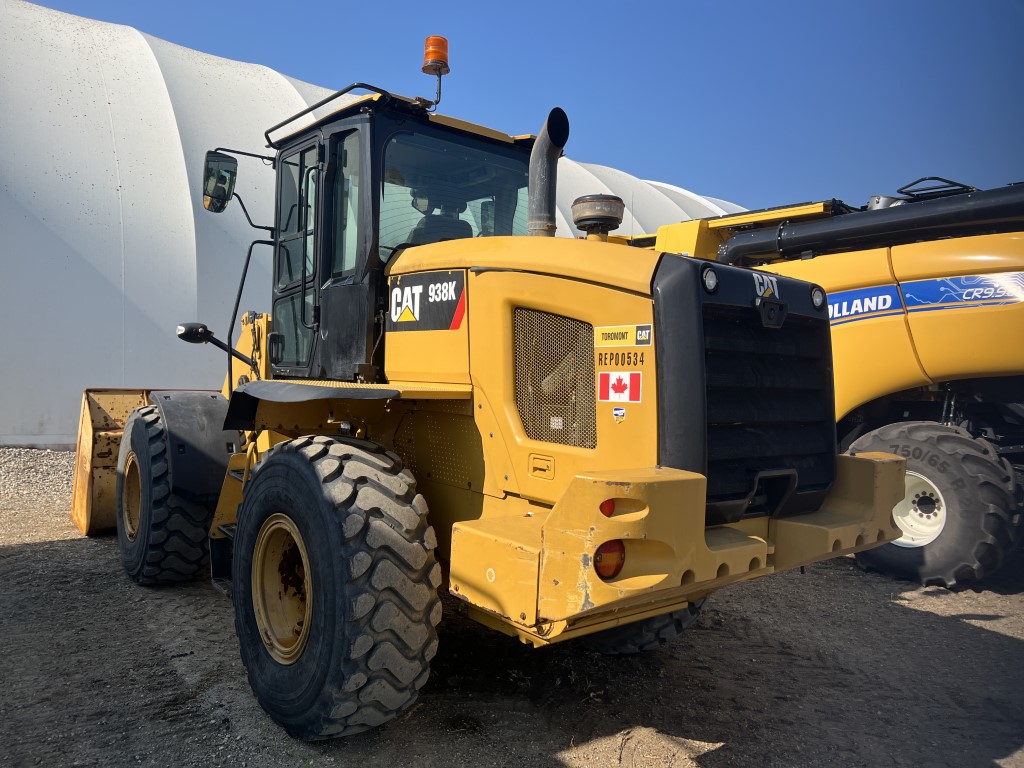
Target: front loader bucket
[(94, 486)]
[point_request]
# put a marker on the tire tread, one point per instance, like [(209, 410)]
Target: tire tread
[(177, 545), (993, 482), (393, 606)]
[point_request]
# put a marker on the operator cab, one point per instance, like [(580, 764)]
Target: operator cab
[(379, 175)]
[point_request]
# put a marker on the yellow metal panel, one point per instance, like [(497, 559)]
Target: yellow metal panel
[(970, 342), (418, 390), (626, 268), (495, 565), (507, 449), (695, 238), (230, 495), (856, 515), (965, 334), (251, 340), (804, 211), (700, 238), (440, 444), (429, 355), (839, 271), (662, 525), (872, 358), (959, 256), (670, 556)]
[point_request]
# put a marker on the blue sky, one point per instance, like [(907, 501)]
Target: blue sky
[(761, 103)]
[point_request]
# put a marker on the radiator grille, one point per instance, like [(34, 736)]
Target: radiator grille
[(554, 378), (769, 401)]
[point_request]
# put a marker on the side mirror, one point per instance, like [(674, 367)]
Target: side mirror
[(219, 174), (194, 333)]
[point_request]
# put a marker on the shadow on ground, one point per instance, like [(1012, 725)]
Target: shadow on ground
[(824, 668)]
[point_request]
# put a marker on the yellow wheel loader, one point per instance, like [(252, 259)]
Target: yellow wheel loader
[(926, 305), (578, 439)]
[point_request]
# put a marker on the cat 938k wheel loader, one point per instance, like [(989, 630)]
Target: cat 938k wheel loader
[(926, 304), (578, 439)]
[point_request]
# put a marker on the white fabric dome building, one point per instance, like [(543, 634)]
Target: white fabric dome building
[(106, 247)]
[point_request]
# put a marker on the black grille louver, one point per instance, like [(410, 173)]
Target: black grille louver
[(764, 395), (769, 393)]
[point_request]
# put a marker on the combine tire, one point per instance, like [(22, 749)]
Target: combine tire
[(334, 586), (163, 538), (645, 635), (959, 512)]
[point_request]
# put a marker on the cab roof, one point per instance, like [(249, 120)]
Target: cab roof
[(349, 103)]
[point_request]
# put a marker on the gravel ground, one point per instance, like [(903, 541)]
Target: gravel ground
[(834, 667)]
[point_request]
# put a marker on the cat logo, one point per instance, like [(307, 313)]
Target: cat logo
[(766, 286), (405, 304)]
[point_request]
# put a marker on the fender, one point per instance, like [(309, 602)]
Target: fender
[(246, 398), (198, 445)]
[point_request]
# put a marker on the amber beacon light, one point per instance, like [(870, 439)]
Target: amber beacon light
[(435, 56)]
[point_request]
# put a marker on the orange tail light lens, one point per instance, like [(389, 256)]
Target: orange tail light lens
[(609, 559), (607, 507)]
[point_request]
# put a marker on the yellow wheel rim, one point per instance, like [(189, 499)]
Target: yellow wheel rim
[(282, 597), (131, 498)]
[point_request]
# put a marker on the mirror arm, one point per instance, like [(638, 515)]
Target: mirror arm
[(248, 218), (232, 352), (228, 150)]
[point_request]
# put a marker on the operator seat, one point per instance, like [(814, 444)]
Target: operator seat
[(435, 228)]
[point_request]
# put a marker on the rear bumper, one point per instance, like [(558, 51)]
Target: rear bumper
[(534, 576)]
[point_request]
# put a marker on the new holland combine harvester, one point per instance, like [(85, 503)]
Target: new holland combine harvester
[(578, 439), (926, 304)]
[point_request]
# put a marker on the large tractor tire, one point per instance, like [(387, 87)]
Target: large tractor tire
[(959, 515), (334, 586), (645, 635), (163, 539)]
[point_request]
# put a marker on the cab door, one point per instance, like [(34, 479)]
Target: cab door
[(348, 289), (295, 260)]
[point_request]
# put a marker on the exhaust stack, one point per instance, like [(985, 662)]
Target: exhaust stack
[(544, 172)]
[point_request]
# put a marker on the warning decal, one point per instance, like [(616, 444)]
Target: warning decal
[(619, 387), (427, 301)]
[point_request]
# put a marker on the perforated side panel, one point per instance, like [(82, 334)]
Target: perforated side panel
[(442, 445), (555, 390)]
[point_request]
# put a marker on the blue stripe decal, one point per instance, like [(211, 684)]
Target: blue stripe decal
[(862, 303), (962, 292)]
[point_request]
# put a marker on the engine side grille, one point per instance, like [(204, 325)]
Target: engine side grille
[(769, 401), (554, 378)]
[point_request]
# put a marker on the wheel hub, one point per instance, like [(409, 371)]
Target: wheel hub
[(131, 498), (921, 515), (281, 588)]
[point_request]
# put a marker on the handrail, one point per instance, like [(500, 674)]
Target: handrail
[(307, 110)]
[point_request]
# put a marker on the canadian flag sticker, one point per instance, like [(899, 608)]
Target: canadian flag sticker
[(619, 387)]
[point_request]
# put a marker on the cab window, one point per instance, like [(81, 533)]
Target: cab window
[(296, 215), (438, 189), (345, 185)]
